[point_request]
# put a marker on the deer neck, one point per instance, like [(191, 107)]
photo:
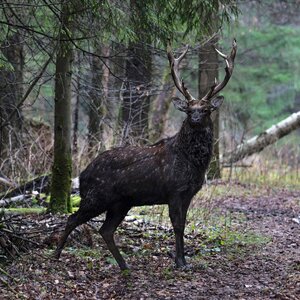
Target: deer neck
[(196, 143)]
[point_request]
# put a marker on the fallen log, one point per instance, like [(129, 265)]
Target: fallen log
[(261, 141), (16, 199), (39, 184)]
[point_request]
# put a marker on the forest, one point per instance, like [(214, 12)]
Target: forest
[(149, 149)]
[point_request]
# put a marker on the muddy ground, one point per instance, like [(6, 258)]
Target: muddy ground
[(256, 257)]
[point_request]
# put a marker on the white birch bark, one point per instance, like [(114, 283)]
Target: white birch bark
[(259, 142)]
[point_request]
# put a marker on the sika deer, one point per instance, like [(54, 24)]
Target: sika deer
[(169, 172)]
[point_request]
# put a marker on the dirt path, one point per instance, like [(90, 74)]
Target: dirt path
[(261, 260)]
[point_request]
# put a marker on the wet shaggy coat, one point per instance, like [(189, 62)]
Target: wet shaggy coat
[(169, 172), (135, 176)]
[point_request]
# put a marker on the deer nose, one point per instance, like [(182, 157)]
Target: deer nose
[(197, 117)]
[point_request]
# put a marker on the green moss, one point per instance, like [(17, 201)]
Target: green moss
[(61, 184), (75, 199), (85, 253), (74, 209), (25, 211)]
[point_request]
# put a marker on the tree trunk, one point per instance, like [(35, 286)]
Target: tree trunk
[(98, 95), (136, 98), (259, 142), (11, 89), (117, 85), (208, 72), (161, 106), (62, 165), (76, 108), (79, 88), (95, 105)]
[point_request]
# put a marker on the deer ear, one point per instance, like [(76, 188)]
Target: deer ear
[(180, 104), (216, 103)]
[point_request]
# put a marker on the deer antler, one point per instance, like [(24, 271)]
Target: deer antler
[(174, 64), (217, 87)]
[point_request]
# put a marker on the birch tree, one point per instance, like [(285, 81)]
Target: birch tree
[(264, 139)]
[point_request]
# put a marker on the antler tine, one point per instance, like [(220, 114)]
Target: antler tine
[(229, 60), (174, 64), (221, 54), (210, 92)]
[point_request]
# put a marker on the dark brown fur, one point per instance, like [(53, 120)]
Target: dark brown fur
[(169, 172)]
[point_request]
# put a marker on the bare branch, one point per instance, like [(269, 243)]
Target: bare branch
[(28, 91)]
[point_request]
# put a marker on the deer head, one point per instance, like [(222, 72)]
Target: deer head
[(199, 109)]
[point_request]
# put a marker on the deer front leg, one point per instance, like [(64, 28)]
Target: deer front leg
[(177, 211)]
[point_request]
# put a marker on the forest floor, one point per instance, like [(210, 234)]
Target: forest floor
[(251, 250)]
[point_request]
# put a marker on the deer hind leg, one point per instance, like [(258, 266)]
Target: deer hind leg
[(74, 220), (114, 217)]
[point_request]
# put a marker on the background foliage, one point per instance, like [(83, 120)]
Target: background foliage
[(264, 88)]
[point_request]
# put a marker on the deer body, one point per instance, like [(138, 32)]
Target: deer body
[(148, 175), (169, 172)]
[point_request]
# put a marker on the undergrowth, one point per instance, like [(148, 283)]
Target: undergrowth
[(210, 228)]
